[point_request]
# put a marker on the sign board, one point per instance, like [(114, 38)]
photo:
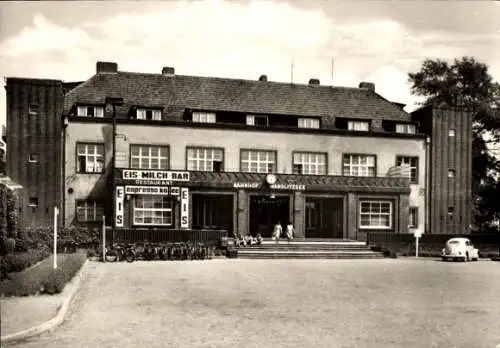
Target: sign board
[(256, 185), (152, 190), (250, 185), (293, 187), (417, 233), (154, 177), (184, 207), (119, 206)]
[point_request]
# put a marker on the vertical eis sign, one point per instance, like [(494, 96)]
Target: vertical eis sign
[(119, 206), (184, 207)]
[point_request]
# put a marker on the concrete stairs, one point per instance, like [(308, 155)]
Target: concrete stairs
[(309, 249)]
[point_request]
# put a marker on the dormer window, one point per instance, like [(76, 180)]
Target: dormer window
[(406, 128), (148, 114), (257, 120), (360, 126), (308, 123), (90, 111), (203, 117)]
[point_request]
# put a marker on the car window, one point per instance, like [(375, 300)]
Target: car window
[(454, 242)]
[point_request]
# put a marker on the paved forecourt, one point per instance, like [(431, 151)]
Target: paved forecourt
[(284, 303)]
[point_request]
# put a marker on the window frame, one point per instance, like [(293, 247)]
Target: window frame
[(96, 202), (309, 153), (413, 224), (86, 153), (36, 160), (36, 202), (379, 201), (94, 106), (205, 158), (145, 111), (275, 152), (150, 146), (33, 109), (171, 210), (406, 128), (417, 171), (350, 165), (307, 122), (354, 122), (207, 119), (452, 132)]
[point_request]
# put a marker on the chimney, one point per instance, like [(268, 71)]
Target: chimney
[(168, 71), (367, 85), (263, 78), (106, 68), (313, 82)]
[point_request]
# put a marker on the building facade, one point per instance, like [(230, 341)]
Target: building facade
[(33, 135), (212, 153)]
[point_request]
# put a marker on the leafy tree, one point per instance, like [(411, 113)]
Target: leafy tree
[(466, 82)]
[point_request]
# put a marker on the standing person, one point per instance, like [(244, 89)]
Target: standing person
[(290, 231), (277, 232)]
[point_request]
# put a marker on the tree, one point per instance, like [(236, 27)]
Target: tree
[(466, 82)]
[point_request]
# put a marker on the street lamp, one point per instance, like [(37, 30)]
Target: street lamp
[(114, 102)]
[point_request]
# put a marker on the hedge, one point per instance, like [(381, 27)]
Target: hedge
[(17, 262), (43, 279), (9, 213), (67, 237)]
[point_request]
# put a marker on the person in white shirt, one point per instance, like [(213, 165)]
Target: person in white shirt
[(277, 232), (290, 231)]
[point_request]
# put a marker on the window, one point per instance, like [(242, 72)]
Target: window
[(90, 111), (204, 159), (412, 164), (308, 123), (149, 157), (153, 210), (309, 163), (413, 217), (375, 214), (33, 158), (257, 120), (204, 117), (451, 132), (258, 161), (33, 202), (359, 165), (406, 128), (90, 158), (89, 211), (145, 114), (451, 211), (358, 126), (33, 109), (451, 173)]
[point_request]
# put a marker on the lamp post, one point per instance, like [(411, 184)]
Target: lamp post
[(114, 102)]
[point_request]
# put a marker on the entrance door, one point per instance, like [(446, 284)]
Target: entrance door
[(324, 217), (265, 212)]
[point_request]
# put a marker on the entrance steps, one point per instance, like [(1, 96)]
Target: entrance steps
[(309, 249)]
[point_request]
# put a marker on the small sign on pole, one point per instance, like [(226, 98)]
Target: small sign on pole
[(56, 213), (417, 234), (104, 238)]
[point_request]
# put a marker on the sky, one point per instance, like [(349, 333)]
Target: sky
[(376, 41)]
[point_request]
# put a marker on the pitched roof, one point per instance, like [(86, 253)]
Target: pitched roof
[(177, 92)]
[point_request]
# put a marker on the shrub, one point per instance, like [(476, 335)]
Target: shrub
[(16, 262), (10, 245), (390, 253), (43, 279)]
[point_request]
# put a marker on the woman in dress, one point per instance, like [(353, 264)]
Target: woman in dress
[(277, 232), (290, 231)]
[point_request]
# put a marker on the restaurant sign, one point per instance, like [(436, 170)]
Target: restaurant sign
[(154, 177), (152, 190), (256, 185)]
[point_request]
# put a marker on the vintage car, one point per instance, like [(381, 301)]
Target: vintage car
[(459, 249)]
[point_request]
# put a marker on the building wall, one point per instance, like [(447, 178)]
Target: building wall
[(178, 138), (35, 133), (453, 153)]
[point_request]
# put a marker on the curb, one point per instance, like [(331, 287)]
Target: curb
[(55, 321)]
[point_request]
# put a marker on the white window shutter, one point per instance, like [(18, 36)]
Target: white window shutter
[(81, 111), (99, 111)]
